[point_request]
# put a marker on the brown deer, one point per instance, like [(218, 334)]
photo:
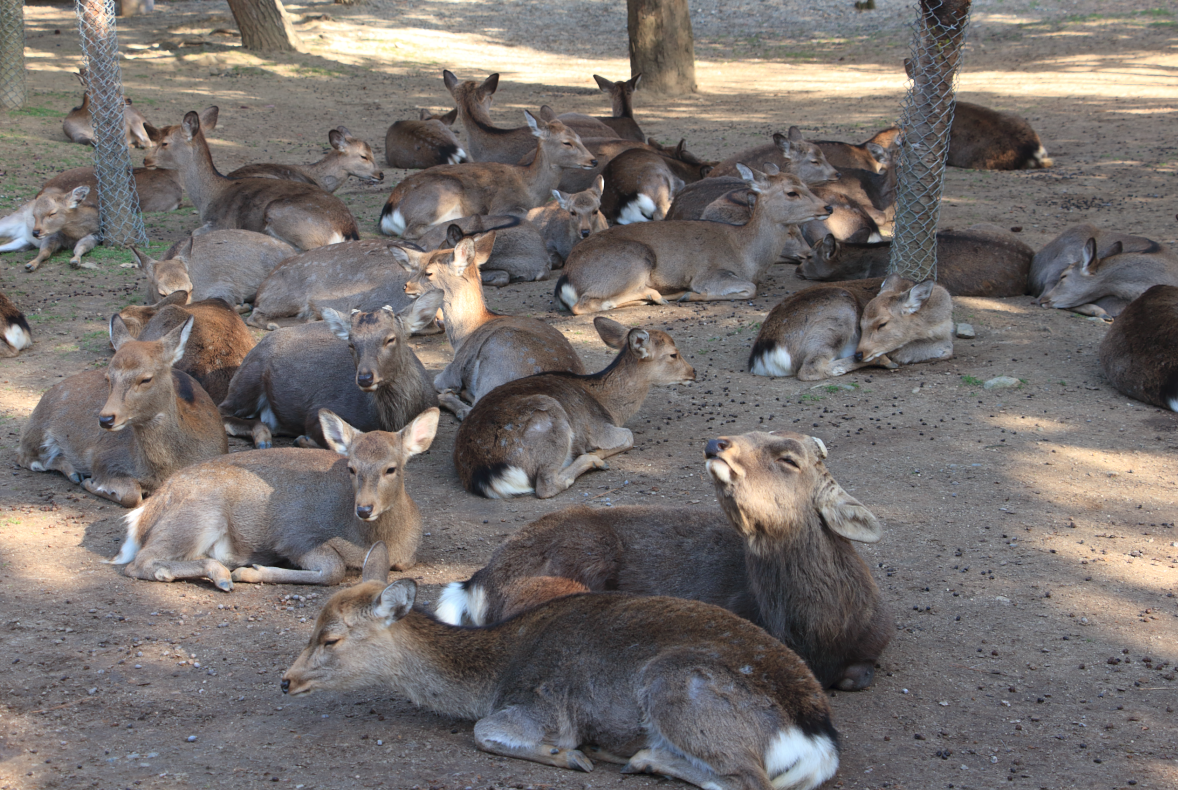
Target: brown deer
[(986, 139), (361, 368), (1103, 286), (487, 142), (348, 156), (734, 206), (520, 253), (876, 155), (489, 349), (300, 214), (423, 143), (569, 220), (1068, 247), (689, 261), (640, 184), (661, 685), (621, 99), (834, 329), (449, 192), (220, 264), (539, 434), (157, 189), (120, 432), (79, 126), (62, 219), (319, 510), (16, 335), (1137, 353), (781, 557), (791, 152)]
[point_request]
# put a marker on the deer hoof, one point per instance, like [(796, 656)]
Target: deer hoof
[(224, 585)]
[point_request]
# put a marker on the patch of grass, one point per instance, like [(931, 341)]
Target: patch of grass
[(971, 381), (809, 397), (95, 341), (39, 112)]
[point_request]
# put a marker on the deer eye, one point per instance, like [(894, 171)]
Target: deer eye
[(882, 325), (791, 194), (787, 460), (392, 470), (330, 642), (391, 340), (351, 470), (570, 145), (674, 356), (145, 380)]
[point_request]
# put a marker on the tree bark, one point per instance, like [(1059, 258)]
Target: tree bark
[(662, 47), (265, 26)]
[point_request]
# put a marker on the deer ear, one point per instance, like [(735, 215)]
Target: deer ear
[(208, 118), (78, 195), (611, 332), (598, 185), (771, 169), (640, 343), (422, 312), (891, 283), (562, 199), (878, 152), (783, 145), (190, 125), (175, 297), (917, 295), (633, 81), (146, 262), (119, 334), (1088, 256), (337, 140), (844, 515), (175, 340), (829, 246), (490, 84), (376, 564), (395, 601), (484, 245), (401, 256), (338, 323), (449, 80), (1116, 249), (450, 117), (464, 255), (547, 114), (417, 436), (909, 68), (534, 125), (748, 176), (338, 434), (795, 135)]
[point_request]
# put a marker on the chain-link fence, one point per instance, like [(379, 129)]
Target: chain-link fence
[(12, 54), (118, 203), (937, 44)]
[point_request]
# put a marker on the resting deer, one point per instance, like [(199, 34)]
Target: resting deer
[(62, 219), (790, 152), (319, 510), (1137, 353), (79, 126), (641, 184), (621, 99), (569, 220), (520, 253), (220, 264), (348, 156), (1103, 286), (1068, 248), (120, 432), (876, 155), (539, 434), (156, 188), (986, 139), (661, 685), (415, 145)]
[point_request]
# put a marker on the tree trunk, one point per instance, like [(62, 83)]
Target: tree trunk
[(265, 26), (662, 47)]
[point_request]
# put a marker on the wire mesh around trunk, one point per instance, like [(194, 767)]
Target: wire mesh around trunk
[(118, 202), (12, 54), (937, 43)]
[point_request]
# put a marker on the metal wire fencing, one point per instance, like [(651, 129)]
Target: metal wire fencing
[(118, 202), (937, 44), (12, 54)]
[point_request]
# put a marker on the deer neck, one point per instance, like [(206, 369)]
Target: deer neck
[(541, 176), (479, 128), (201, 178), (465, 309), (328, 172), (158, 441), (760, 240), (621, 388)]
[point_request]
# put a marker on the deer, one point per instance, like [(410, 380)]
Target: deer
[(360, 367), (568, 220), (79, 126), (120, 432), (790, 152), (875, 155), (604, 150), (659, 685), (538, 434), (348, 156), (489, 349), (16, 335), (217, 343), (220, 264), (487, 142), (520, 254), (449, 192), (1067, 248), (158, 189), (685, 260), (318, 510), (783, 519), (1102, 287), (834, 329), (1136, 354), (621, 120), (981, 260), (985, 139), (641, 184), (428, 141), (63, 219), (300, 214)]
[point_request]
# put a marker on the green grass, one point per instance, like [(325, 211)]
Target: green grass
[(39, 112), (808, 397), (971, 381)]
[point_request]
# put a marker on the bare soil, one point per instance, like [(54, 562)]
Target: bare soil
[(1029, 555)]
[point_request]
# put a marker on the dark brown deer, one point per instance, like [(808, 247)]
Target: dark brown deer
[(1137, 354)]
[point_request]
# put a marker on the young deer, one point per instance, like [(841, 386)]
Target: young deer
[(791, 152), (1137, 353), (349, 156), (620, 93), (689, 261), (569, 220), (220, 264), (319, 510), (834, 329), (519, 254), (1068, 248), (119, 433), (489, 349), (1104, 286), (79, 126), (415, 145), (487, 142), (539, 434), (450, 192), (15, 335), (641, 184), (362, 369), (217, 344), (876, 155), (782, 557), (62, 219), (301, 214), (158, 189), (662, 685)]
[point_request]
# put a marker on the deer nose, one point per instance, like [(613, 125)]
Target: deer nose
[(715, 447), (829, 210), (285, 686), (858, 356), (593, 162), (36, 233), (106, 421), (364, 378), (364, 511), (584, 233)]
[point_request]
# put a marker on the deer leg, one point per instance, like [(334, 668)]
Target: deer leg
[(845, 365), (451, 402), (721, 284), (49, 246), (60, 464), (124, 490), (1093, 310), (588, 304), (321, 565), (248, 429), (495, 277), (664, 763), (512, 732), (81, 248), (549, 484), (170, 570), (258, 319), (597, 753), (857, 676)]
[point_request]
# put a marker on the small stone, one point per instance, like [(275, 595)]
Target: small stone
[(192, 739), (1002, 383), (965, 331)]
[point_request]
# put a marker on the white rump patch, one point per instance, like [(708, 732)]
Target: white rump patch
[(17, 337), (795, 761), (459, 606), (336, 237), (1042, 159), (874, 237), (393, 224), (774, 363), (568, 295), (133, 542), (265, 413), (640, 209), (457, 158), (1173, 404), (513, 482)]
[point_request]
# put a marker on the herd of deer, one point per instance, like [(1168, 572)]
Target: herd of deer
[(583, 637)]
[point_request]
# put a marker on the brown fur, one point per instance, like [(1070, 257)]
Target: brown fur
[(658, 175), (1104, 286), (986, 139), (1068, 247), (157, 189), (485, 141), (79, 126), (220, 264), (65, 219), (520, 253), (348, 156), (417, 144), (1137, 355), (876, 155), (15, 335), (790, 152), (569, 220), (621, 103)]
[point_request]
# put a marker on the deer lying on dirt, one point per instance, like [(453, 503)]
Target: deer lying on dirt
[(300, 214), (1068, 247), (834, 329), (1104, 286), (621, 98), (15, 336), (349, 156), (981, 260), (221, 264), (62, 219), (663, 685), (791, 152), (423, 143), (569, 220), (360, 368), (986, 139), (79, 126), (158, 189), (787, 521), (640, 184), (449, 192), (1137, 353), (689, 261), (875, 155), (120, 432), (319, 510), (539, 434), (520, 252), (217, 343), (487, 142), (489, 349)]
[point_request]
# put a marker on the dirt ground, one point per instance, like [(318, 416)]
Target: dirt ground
[(1029, 554)]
